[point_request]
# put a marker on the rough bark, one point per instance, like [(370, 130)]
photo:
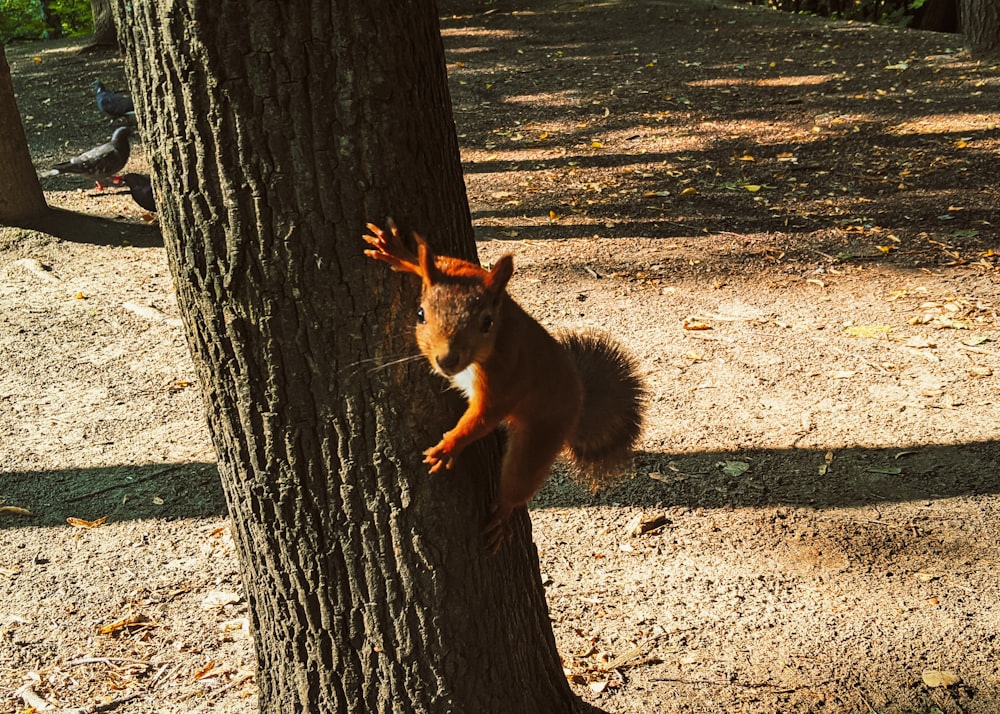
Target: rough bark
[(21, 197), (981, 27), (277, 130)]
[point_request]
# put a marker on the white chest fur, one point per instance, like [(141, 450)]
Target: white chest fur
[(466, 381)]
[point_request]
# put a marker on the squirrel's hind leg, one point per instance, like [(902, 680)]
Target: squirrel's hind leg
[(526, 464)]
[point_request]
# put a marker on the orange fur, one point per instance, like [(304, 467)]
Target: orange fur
[(522, 376)]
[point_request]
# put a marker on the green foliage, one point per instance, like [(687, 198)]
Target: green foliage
[(20, 19), (35, 19)]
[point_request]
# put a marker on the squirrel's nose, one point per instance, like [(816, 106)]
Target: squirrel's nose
[(448, 363)]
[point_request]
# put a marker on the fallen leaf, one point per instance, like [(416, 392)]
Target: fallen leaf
[(206, 670), (891, 470), (218, 598), (940, 678), (733, 468), (695, 325), (690, 191), (131, 621), (919, 342), (80, 523), (15, 511)]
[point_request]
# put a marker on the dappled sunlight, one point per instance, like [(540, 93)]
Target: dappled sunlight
[(784, 81), (945, 123)]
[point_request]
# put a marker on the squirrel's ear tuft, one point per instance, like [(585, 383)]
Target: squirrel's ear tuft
[(496, 281), (428, 271)]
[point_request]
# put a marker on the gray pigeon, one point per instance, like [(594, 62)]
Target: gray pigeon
[(112, 104), (141, 189), (101, 162)]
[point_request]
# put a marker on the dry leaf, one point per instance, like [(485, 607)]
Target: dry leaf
[(919, 341), (696, 325), (80, 523), (16, 511), (206, 670), (131, 621), (217, 598), (689, 191), (939, 678)]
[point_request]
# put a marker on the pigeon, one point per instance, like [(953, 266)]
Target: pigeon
[(140, 188), (101, 162), (112, 104)]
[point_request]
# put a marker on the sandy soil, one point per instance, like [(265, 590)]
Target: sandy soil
[(791, 222)]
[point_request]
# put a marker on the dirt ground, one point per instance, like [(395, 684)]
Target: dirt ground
[(793, 224)]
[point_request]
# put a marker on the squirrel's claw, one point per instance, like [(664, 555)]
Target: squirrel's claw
[(497, 532), (438, 458)]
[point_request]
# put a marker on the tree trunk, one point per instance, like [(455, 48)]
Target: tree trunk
[(981, 27), (21, 197), (277, 130), (104, 24), (939, 16)]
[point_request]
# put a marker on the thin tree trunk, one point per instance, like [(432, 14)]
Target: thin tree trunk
[(981, 27), (277, 130), (104, 24), (21, 197)]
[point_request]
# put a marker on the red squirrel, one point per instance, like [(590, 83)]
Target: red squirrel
[(581, 392)]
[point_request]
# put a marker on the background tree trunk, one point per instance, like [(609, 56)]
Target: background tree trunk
[(981, 26), (21, 197), (277, 130), (104, 24)]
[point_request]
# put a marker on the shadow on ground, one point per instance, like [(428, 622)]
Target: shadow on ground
[(188, 490), (795, 477), (96, 230), (769, 477)]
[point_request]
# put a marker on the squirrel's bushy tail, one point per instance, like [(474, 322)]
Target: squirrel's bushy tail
[(613, 403)]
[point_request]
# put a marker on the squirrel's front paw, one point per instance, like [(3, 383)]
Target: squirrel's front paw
[(438, 457)]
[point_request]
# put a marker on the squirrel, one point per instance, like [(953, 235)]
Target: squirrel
[(580, 392)]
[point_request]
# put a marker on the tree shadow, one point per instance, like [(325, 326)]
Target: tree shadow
[(816, 478), (127, 492), (96, 230)]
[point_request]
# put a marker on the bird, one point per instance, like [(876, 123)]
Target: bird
[(140, 188), (112, 104), (101, 162)]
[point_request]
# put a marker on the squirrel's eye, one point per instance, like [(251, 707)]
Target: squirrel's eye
[(421, 317), (487, 323)]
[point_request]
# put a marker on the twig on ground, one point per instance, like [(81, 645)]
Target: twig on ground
[(110, 661), (106, 707), (140, 479), (215, 693), (33, 700)]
